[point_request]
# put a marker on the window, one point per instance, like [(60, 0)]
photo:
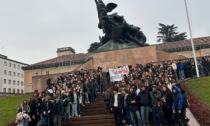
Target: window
[(10, 65), (14, 65), (5, 72), (197, 47), (207, 54), (18, 91), (10, 73), (5, 81), (47, 72), (9, 81), (36, 73), (5, 90), (5, 63), (13, 90), (189, 48), (18, 82), (58, 71), (18, 74), (14, 74), (18, 66), (21, 83), (22, 91), (22, 75), (9, 90), (13, 82), (178, 49), (183, 49)]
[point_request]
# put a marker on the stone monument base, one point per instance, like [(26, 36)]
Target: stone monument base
[(133, 56), (111, 46)]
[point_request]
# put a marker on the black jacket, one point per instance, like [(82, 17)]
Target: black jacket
[(132, 106), (119, 101), (46, 106), (144, 98), (58, 109), (72, 97)]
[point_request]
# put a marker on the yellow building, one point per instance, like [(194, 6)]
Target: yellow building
[(184, 48), (66, 61)]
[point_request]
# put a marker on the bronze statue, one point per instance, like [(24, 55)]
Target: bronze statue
[(116, 28)]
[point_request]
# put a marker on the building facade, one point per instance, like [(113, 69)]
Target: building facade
[(66, 61), (184, 48), (11, 75)]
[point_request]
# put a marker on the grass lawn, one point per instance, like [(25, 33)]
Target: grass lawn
[(201, 88), (8, 107)]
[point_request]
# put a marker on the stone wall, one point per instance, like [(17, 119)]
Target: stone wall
[(113, 59)]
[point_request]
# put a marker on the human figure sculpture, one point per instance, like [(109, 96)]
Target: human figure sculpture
[(115, 26)]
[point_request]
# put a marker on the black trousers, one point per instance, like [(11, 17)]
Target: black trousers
[(117, 116)]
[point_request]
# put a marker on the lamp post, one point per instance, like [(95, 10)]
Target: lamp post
[(192, 43)]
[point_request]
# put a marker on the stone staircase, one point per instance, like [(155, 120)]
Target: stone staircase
[(94, 114)]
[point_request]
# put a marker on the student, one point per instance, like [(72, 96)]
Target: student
[(47, 107), (145, 102), (57, 111), (177, 106), (133, 107), (156, 96), (116, 104)]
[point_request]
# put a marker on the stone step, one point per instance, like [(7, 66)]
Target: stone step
[(102, 124), (94, 117), (94, 109), (94, 113), (90, 122)]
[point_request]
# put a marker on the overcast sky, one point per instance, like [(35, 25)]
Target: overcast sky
[(32, 30)]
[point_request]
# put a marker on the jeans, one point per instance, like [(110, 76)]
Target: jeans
[(145, 115), (74, 109), (181, 74), (127, 117), (92, 95), (79, 111), (57, 120), (87, 97), (138, 118), (46, 120), (67, 112), (24, 122), (117, 116), (157, 116)]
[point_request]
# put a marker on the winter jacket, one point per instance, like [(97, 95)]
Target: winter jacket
[(58, 109), (178, 99), (155, 96), (132, 106), (119, 101), (144, 98), (73, 99), (46, 106), (180, 66)]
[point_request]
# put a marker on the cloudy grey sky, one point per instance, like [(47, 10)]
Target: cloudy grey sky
[(32, 30)]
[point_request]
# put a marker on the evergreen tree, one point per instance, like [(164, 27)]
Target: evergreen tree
[(168, 33)]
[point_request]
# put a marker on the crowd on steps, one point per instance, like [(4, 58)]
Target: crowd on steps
[(147, 89)]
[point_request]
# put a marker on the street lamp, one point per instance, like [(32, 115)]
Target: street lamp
[(192, 43)]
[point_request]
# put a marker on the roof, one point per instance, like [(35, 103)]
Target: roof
[(184, 43), (81, 58), (73, 57), (5, 58)]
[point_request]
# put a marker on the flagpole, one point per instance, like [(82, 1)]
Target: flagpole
[(192, 43)]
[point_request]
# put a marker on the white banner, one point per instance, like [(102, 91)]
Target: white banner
[(117, 74)]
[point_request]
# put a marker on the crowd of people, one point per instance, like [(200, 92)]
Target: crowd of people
[(150, 88), (62, 100)]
